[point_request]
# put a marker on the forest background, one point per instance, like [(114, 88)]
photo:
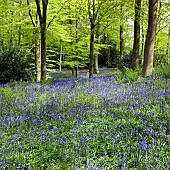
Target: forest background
[(85, 34)]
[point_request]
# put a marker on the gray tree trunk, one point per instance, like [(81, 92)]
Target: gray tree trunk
[(150, 39), (121, 37), (37, 60), (43, 18), (136, 43), (96, 65), (61, 52), (168, 48), (91, 68), (96, 56), (36, 42)]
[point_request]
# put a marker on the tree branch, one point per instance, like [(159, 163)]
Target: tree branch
[(30, 14), (162, 29), (89, 6), (38, 10), (51, 20), (98, 8)]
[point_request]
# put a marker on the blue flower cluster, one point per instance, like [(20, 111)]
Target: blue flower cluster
[(95, 123)]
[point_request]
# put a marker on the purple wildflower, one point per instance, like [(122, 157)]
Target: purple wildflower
[(143, 145)]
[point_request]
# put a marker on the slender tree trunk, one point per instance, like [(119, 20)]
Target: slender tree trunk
[(43, 40), (36, 41), (150, 39), (19, 28), (11, 38), (37, 59), (91, 69), (121, 43), (136, 43), (96, 65), (61, 52), (168, 48), (143, 39), (19, 36), (2, 39), (42, 18), (76, 68), (121, 37), (96, 57), (108, 56), (92, 17), (107, 49)]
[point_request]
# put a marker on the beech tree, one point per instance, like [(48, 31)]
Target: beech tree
[(150, 39), (92, 17), (36, 40), (42, 18), (121, 34), (136, 43)]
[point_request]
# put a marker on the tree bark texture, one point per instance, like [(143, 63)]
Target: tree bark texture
[(96, 65), (121, 43), (136, 43), (121, 36), (168, 47), (92, 17), (150, 39), (77, 39), (19, 36), (91, 69), (61, 54), (96, 57), (143, 40), (42, 18), (107, 49), (36, 41), (37, 59), (43, 40)]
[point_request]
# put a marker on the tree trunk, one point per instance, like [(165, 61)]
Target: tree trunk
[(43, 40), (77, 38), (107, 49), (91, 69), (96, 57), (61, 51), (2, 39), (150, 39), (36, 42), (92, 17), (37, 59), (142, 46), (136, 43), (73, 71), (42, 18), (96, 65), (121, 37), (19, 36), (108, 60), (11, 38), (121, 43), (168, 48)]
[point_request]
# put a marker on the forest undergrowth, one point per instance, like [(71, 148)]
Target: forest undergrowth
[(105, 122)]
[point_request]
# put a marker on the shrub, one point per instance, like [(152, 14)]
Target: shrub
[(16, 65), (128, 75)]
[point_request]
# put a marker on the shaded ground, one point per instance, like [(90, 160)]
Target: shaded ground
[(82, 73)]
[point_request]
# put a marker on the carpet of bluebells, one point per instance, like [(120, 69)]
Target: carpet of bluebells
[(97, 123)]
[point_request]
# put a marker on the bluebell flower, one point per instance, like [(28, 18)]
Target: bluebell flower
[(122, 164), (143, 145), (55, 128)]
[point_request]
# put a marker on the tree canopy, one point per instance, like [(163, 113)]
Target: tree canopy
[(71, 26)]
